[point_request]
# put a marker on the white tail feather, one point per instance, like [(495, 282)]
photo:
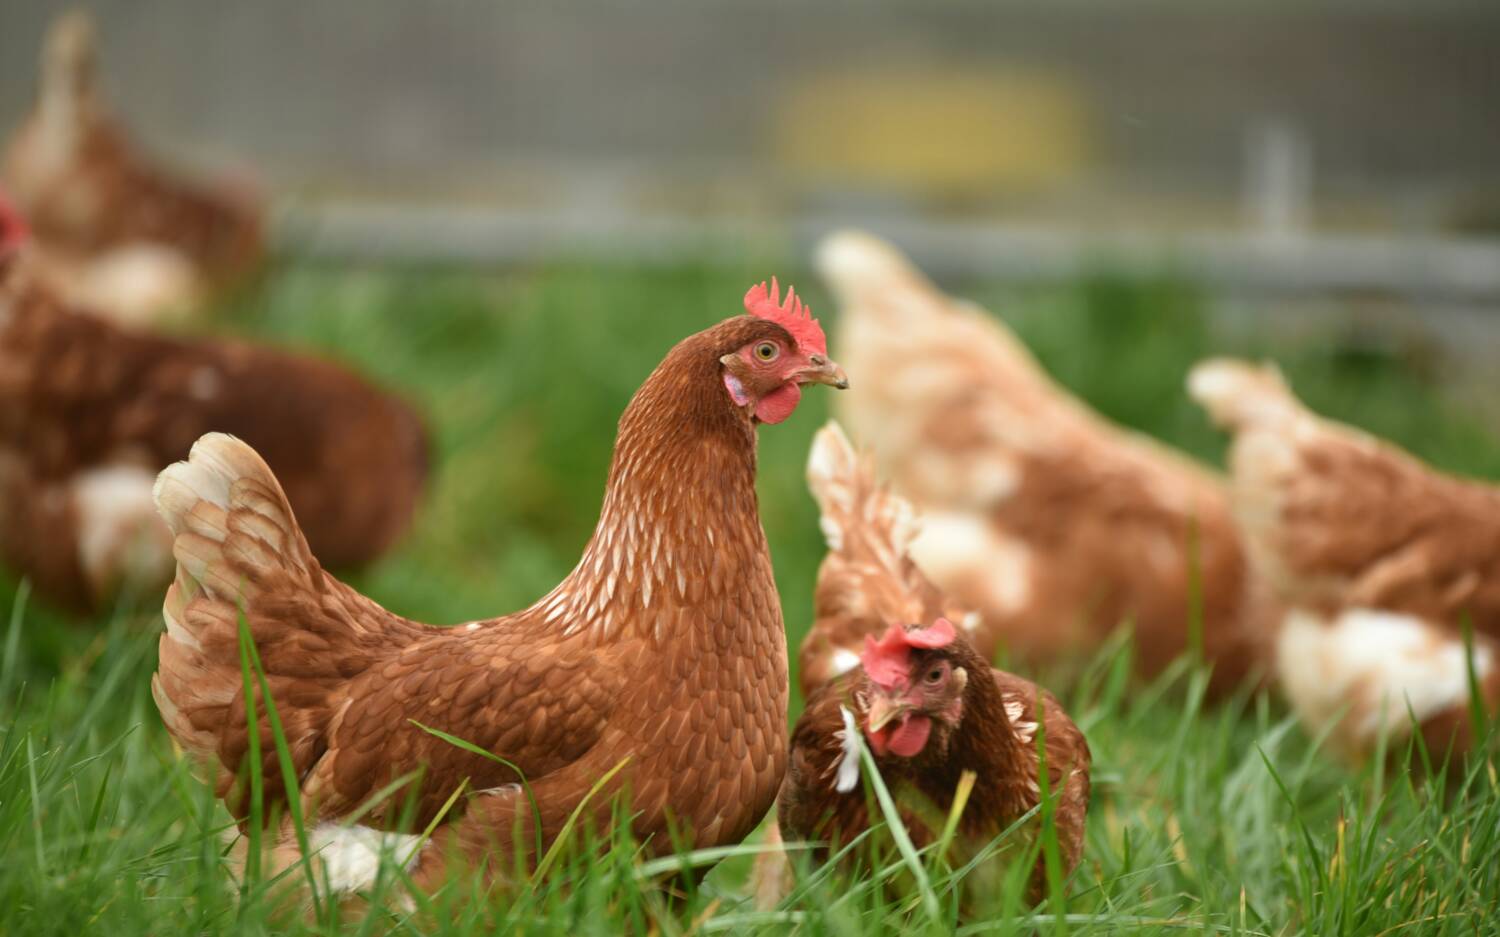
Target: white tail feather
[(1237, 394), (858, 266), (831, 465), (843, 483)]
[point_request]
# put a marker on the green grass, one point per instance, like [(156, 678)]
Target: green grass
[(1224, 819)]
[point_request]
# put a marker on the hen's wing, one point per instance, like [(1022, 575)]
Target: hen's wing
[(1342, 519), (1069, 761), (348, 677), (868, 580), (1057, 525), (1381, 557)]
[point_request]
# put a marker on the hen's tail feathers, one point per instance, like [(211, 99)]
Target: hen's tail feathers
[(861, 268), (68, 59), (1239, 395), (233, 537), (231, 522), (852, 504), (881, 292), (242, 558)]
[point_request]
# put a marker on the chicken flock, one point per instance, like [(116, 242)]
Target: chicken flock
[(972, 508)]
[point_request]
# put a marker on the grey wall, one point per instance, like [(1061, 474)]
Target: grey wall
[(1401, 101)]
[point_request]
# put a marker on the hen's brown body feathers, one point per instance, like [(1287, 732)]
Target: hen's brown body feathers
[(663, 650), (1379, 558), (1054, 524), (86, 406)]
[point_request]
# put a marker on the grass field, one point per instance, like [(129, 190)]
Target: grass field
[(1218, 820)]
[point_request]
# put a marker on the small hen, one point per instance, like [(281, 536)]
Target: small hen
[(1054, 524), (929, 706), (90, 412), (1379, 558), (117, 233), (868, 578), (662, 654)]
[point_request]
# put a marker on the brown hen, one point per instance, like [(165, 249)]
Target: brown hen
[(1380, 560), (117, 233), (868, 578), (662, 652), (90, 412), (929, 706), (1056, 525)]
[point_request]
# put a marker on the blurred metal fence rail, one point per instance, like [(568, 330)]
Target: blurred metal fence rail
[(1414, 268)]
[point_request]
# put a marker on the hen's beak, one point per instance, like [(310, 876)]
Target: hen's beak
[(883, 711), (821, 370)]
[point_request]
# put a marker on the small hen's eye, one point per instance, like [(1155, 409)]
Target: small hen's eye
[(766, 351), (935, 675)]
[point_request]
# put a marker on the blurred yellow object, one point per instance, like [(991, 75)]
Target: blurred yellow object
[(935, 128)]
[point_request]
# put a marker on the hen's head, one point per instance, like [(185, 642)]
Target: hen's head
[(916, 679), (781, 351)]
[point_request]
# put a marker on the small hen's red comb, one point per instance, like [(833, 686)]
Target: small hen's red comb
[(790, 315), (885, 661), (13, 228)]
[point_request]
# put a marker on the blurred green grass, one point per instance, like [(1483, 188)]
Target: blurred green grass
[(523, 375)]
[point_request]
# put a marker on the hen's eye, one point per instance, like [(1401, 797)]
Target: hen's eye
[(766, 351), (935, 675)]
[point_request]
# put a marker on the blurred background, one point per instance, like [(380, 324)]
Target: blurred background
[(1133, 185), (1337, 156)]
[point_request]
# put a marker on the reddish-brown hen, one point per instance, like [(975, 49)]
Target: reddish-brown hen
[(929, 706), (89, 413), (868, 579), (1379, 558), (663, 651), (117, 233), (1054, 524)]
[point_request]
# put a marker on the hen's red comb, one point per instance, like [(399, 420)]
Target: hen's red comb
[(790, 315), (13, 228), (885, 661)]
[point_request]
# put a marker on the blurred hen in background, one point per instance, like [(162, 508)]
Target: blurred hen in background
[(114, 231), (1380, 559), (90, 412), (1056, 525)]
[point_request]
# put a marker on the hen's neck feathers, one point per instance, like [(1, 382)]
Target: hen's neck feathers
[(680, 527)]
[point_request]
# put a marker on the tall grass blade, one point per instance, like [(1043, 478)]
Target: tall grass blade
[(250, 878), (572, 822), (11, 660), (1195, 591), (289, 780), (1479, 718), (36, 808), (961, 793), (466, 745), (902, 839)]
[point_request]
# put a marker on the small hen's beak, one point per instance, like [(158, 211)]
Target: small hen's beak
[(883, 711), (821, 370)]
